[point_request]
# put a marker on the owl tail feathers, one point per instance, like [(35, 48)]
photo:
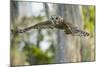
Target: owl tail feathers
[(82, 33)]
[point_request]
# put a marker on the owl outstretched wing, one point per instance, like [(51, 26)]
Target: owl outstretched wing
[(80, 32), (41, 25), (59, 23)]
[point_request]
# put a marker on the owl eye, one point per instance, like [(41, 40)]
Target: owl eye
[(56, 18), (52, 18)]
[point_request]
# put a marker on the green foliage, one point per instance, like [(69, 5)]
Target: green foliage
[(36, 55), (40, 18), (32, 52), (88, 52), (89, 19)]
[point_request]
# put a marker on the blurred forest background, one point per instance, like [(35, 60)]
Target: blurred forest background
[(51, 46)]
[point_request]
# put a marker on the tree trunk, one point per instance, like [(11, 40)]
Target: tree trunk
[(73, 14), (16, 12), (46, 8), (68, 47)]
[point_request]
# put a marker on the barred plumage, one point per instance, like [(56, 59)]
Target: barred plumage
[(59, 23), (80, 32)]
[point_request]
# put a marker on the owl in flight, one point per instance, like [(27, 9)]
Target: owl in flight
[(59, 23)]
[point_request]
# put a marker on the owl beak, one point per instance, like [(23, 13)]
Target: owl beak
[(55, 21), (52, 22)]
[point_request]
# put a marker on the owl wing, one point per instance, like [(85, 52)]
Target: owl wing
[(67, 28), (78, 32), (41, 25), (73, 29)]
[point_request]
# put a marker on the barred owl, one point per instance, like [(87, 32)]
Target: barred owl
[(59, 23)]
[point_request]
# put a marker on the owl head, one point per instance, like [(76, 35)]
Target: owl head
[(56, 19)]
